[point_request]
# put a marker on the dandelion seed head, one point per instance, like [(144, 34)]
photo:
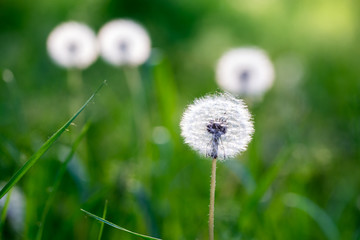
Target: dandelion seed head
[(245, 71), (72, 45), (217, 116), (161, 135), (124, 42), (8, 76), (16, 208)]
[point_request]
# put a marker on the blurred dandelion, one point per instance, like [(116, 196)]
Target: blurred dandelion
[(218, 126), (245, 71), (73, 45), (16, 208), (8, 76), (124, 42), (160, 135)]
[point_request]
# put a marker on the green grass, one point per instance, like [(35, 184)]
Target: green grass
[(43, 149), (117, 227), (102, 223), (306, 139), (58, 179)]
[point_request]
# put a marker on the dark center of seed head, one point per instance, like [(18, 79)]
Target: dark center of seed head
[(123, 46), (216, 128), (244, 76), (72, 47)]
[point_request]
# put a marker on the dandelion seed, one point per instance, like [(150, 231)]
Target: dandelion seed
[(73, 45), (245, 71), (217, 126), (124, 42)]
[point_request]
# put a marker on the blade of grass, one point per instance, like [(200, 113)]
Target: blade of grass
[(253, 200), (43, 149), (102, 223), (118, 227), (4, 212), (268, 178), (317, 213), (58, 179)]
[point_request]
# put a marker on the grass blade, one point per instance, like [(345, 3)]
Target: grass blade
[(268, 178), (102, 223), (318, 214), (33, 159), (58, 179), (118, 227)]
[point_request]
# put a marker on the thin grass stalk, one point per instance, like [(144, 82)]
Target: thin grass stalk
[(58, 179), (212, 200), (4, 213), (118, 227), (43, 149), (102, 223)]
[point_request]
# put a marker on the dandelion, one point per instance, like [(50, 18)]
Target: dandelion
[(73, 45), (217, 126), (245, 71), (16, 208), (124, 42)]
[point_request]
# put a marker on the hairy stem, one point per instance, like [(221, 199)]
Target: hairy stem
[(212, 200)]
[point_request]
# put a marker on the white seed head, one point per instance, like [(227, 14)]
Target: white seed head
[(245, 71), (217, 126), (73, 45), (16, 208), (124, 42)]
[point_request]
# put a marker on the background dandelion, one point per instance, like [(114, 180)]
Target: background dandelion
[(73, 45), (245, 71), (124, 42), (15, 213)]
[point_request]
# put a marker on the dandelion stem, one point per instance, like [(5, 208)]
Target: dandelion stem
[(75, 87), (137, 91), (74, 81), (212, 200)]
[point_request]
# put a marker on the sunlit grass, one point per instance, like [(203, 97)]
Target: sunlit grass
[(34, 158), (118, 227)]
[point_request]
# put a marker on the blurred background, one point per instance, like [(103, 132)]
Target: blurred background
[(299, 178)]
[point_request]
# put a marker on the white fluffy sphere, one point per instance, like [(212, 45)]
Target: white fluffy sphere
[(16, 208), (124, 42), (229, 113), (73, 45), (245, 71)]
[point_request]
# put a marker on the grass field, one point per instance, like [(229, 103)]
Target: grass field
[(298, 179)]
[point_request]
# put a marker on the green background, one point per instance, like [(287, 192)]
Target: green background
[(300, 177)]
